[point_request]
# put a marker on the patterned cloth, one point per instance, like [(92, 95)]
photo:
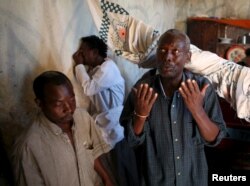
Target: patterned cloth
[(125, 35)]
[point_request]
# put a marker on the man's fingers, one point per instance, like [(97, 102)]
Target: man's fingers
[(76, 53), (144, 91), (204, 89), (183, 94), (134, 89), (153, 98), (185, 90), (148, 94), (190, 86), (138, 90), (195, 85)]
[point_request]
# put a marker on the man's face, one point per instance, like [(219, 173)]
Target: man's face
[(171, 57), (88, 55), (59, 103), (247, 60)]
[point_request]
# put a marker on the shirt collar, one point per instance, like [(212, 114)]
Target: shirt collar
[(161, 86), (52, 126)]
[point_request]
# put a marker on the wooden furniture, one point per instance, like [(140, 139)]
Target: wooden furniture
[(233, 153), (206, 33)]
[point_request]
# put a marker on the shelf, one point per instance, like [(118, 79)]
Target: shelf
[(204, 32), (231, 44), (241, 23)]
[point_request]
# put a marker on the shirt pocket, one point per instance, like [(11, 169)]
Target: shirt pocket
[(87, 145)]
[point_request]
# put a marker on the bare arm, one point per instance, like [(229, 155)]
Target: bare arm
[(144, 100), (193, 98), (103, 173)]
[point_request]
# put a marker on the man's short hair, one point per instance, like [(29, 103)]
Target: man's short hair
[(247, 52), (176, 34), (48, 77), (94, 42)]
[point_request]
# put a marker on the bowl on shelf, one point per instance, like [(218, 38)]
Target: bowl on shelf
[(225, 40)]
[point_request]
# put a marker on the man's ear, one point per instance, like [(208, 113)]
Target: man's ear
[(189, 54), (38, 102)]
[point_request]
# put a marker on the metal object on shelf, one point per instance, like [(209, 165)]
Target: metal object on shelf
[(244, 39)]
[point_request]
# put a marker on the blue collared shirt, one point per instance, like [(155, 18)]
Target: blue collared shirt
[(170, 149)]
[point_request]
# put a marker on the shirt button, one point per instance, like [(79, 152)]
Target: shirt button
[(173, 106), (179, 173), (176, 140), (178, 157), (174, 122)]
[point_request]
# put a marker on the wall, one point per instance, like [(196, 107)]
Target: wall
[(212, 8), (35, 36)]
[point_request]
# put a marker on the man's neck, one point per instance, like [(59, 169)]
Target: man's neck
[(66, 127), (170, 85)]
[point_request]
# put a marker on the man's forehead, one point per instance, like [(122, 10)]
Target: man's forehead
[(172, 44), (50, 87)]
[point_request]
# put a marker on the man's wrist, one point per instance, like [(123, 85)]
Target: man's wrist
[(78, 64), (140, 116)]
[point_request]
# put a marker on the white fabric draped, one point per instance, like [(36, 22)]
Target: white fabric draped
[(231, 81)]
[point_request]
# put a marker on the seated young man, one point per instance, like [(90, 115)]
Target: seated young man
[(62, 145)]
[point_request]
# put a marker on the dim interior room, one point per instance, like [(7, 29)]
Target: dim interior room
[(42, 35)]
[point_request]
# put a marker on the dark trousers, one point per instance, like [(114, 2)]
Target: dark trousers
[(122, 165), (126, 164)]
